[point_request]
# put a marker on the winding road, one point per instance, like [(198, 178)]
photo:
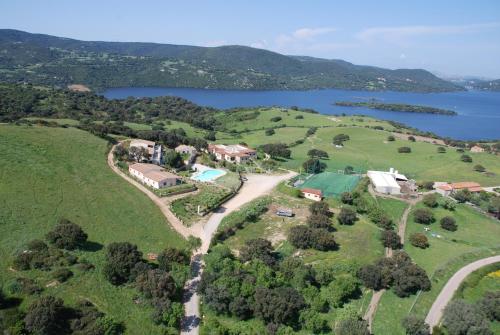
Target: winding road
[(255, 186), (436, 312)]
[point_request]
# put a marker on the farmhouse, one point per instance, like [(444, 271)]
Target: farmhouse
[(185, 149), (476, 149), (447, 189), (153, 175), (154, 150), (235, 153), (387, 182), (312, 194)]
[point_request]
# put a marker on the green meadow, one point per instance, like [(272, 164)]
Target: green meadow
[(49, 173)]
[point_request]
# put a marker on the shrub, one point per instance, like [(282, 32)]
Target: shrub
[(404, 150), (319, 208), (415, 326), (390, 239), (315, 153), (340, 139), (411, 138), (311, 131), (210, 136), (313, 165), (460, 317), (409, 280), (67, 235), (448, 204), (276, 119), (427, 185), (448, 223), (490, 305), (340, 290), (276, 150), (156, 284), (62, 275), (430, 200), (318, 221), (171, 256), (299, 117), (45, 316), (280, 305), (121, 257), (347, 198), (479, 168), (423, 216), (466, 158), (419, 240), (260, 249), (352, 326), (269, 132), (460, 150), (391, 138), (304, 237), (347, 216), (441, 150)]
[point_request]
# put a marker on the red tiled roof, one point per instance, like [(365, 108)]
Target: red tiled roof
[(312, 191), (445, 187), (475, 189), (464, 184)]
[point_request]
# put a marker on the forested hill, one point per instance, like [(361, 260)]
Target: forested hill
[(50, 60), (493, 85)]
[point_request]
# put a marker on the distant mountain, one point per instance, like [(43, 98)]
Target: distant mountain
[(50, 60), (492, 85)]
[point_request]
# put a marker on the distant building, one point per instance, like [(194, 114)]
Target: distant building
[(185, 149), (447, 189), (153, 175), (476, 149), (312, 194), (155, 151), (235, 153), (387, 182)]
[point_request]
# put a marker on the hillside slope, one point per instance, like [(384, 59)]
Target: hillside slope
[(493, 85), (44, 59)]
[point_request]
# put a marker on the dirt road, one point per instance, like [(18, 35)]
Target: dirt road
[(436, 312)]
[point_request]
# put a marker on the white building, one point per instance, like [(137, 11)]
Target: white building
[(386, 182), (185, 149), (312, 194), (235, 153), (154, 150), (153, 175)]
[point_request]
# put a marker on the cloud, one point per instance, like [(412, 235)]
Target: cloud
[(398, 33), (307, 33)]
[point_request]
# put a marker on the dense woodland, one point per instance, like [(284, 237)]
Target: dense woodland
[(397, 107)]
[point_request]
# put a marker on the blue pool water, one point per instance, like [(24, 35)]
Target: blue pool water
[(208, 175)]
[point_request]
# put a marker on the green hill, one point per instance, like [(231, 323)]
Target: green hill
[(44, 59), (49, 173)]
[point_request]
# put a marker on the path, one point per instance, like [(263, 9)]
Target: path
[(254, 187), (436, 312)]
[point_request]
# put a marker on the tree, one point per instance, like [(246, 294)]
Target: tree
[(173, 159), (352, 326), (390, 239), (304, 237), (210, 136), (319, 208), (276, 119), (299, 117), (479, 168), (313, 165), (415, 326), (490, 305), (448, 204), (312, 321), (419, 240), (466, 158), (348, 170), (371, 276), (318, 221), (269, 132), (404, 150), (121, 257), (423, 216), (280, 305), (462, 195), (347, 216), (430, 200), (62, 274), (170, 256), (441, 150), (67, 235), (391, 138), (156, 284), (340, 138), (461, 317), (120, 152), (411, 138), (340, 290), (347, 198), (276, 150), (315, 153), (427, 185), (448, 223), (409, 279), (258, 248), (45, 316)]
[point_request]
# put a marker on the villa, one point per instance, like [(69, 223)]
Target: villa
[(235, 153), (447, 189), (153, 175), (154, 150)]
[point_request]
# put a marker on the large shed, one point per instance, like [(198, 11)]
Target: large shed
[(386, 182)]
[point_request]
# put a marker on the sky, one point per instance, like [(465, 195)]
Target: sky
[(447, 37)]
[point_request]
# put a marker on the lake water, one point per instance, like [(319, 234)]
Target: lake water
[(478, 112)]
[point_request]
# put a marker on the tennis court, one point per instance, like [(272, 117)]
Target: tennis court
[(331, 184)]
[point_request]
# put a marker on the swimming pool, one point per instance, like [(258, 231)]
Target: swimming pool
[(208, 175)]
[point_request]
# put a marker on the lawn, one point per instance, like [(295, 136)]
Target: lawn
[(393, 208), (49, 173), (476, 237)]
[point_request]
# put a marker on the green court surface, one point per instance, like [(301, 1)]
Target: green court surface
[(331, 184)]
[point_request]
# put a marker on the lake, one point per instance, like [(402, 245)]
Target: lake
[(478, 111)]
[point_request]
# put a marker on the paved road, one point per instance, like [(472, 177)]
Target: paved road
[(436, 312)]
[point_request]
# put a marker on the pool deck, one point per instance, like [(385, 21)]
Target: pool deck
[(200, 168)]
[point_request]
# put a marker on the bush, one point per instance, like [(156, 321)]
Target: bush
[(479, 168), (448, 204), (347, 198), (390, 239), (490, 305), (419, 240), (311, 131), (171, 256), (319, 208), (260, 249), (347, 216), (304, 237), (427, 185), (404, 150), (62, 275), (45, 316), (430, 200), (318, 221), (409, 280), (411, 138), (391, 138), (339, 291), (315, 153), (276, 119), (121, 258), (276, 150), (299, 117), (462, 196), (269, 132), (313, 165), (460, 317), (67, 235), (466, 158), (448, 223), (352, 326), (340, 138), (415, 326), (423, 216), (441, 150)]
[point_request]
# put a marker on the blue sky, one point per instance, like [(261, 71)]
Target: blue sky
[(450, 37)]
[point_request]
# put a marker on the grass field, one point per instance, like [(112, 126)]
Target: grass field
[(331, 184), (476, 237), (48, 173)]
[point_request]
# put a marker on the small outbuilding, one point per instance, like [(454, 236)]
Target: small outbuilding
[(312, 194)]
